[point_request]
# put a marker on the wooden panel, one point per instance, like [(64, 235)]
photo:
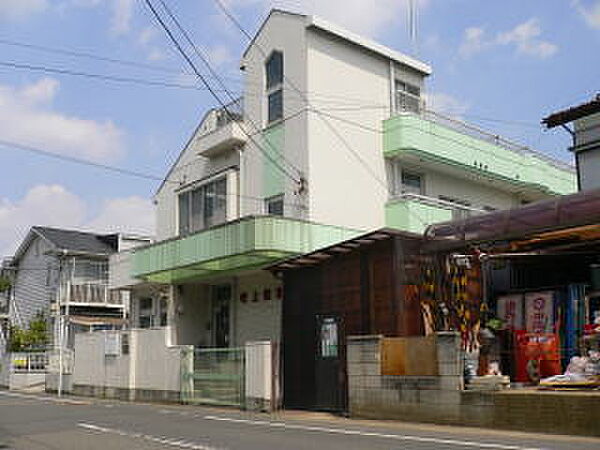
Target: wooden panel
[(409, 356)]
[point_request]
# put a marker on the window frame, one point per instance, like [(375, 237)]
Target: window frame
[(404, 94), (274, 90), (275, 199), (218, 206)]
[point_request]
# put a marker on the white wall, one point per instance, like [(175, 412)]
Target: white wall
[(342, 191), (285, 33), (589, 168), (478, 192), (192, 315), (257, 320), (151, 364)]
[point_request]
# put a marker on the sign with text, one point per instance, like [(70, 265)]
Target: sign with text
[(539, 312), (510, 311)]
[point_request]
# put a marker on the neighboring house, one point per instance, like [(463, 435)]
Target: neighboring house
[(292, 172), (586, 139), (4, 302), (65, 272)]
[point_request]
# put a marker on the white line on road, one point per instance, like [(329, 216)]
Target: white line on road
[(44, 398), (399, 437), (147, 437)]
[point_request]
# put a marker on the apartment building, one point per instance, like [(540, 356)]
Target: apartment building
[(331, 139)]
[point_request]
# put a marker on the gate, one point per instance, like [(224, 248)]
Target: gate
[(213, 376)]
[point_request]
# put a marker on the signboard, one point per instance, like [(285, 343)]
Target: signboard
[(510, 311), (539, 312), (112, 343)]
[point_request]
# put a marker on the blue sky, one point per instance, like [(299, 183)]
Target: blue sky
[(501, 65)]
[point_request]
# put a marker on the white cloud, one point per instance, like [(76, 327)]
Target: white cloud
[(219, 55), (27, 117), (54, 205), (525, 37), (590, 12), (473, 41), (20, 9), (368, 18), (121, 19), (446, 104), (129, 214)]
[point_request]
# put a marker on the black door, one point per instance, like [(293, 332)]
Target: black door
[(330, 364)]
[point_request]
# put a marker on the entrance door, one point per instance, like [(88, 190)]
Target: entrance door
[(330, 364), (221, 300)]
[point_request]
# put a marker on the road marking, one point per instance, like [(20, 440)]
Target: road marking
[(400, 437), (173, 442), (45, 398)]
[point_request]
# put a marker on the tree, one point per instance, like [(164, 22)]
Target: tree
[(34, 338), (4, 284)]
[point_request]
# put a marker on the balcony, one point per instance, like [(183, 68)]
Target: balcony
[(90, 294), (245, 244), (431, 139), (221, 131), (413, 212)]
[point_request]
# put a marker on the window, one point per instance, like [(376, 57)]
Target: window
[(145, 312), (276, 105), (203, 207), (408, 97), (411, 183), (274, 82), (462, 211), (163, 312), (274, 205), (274, 69)]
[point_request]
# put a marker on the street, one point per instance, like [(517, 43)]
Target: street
[(45, 422)]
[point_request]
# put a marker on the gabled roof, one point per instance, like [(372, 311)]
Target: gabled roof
[(79, 241), (349, 36), (70, 242)]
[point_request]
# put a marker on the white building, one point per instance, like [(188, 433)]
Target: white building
[(331, 139)]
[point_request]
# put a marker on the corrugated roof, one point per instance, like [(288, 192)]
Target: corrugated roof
[(79, 241)]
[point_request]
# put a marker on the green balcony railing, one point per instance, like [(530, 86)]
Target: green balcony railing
[(414, 215), (247, 243), (431, 137)]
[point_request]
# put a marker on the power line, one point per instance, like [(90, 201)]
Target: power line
[(217, 77), (333, 130), (119, 79), (212, 91), (115, 169)]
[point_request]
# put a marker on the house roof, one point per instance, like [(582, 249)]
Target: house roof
[(574, 113), (78, 241), (318, 256), (568, 211), (349, 36)]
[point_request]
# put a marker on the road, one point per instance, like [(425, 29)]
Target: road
[(33, 422)]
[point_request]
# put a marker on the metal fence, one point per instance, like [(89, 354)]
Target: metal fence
[(27, 362), (213, 376)]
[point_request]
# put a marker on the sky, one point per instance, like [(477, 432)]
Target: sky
[(502, 66)]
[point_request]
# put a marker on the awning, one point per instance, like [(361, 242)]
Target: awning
[(246, 244), (322, 254), (89, 321)]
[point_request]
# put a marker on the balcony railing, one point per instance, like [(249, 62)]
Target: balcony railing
[(90, 293)]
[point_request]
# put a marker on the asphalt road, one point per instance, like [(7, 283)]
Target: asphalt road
[(34, 422)]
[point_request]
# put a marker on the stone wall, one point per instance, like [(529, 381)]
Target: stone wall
[(442, 400)]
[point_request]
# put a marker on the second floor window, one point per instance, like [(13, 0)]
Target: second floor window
[(203, 207), (274, 205), (408, 97), (274, 86)]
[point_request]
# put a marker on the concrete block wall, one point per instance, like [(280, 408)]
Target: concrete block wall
[(406, 397), (441, 399)]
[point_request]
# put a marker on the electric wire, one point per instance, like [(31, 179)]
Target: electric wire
[(217, 77), (115, 169), (211, 90)]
